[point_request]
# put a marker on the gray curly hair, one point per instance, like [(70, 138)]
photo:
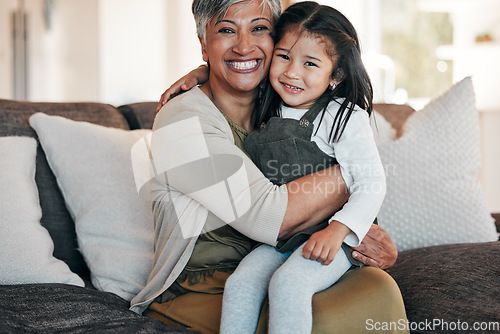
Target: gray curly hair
[(204, 11)]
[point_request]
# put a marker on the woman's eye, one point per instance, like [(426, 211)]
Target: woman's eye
[(261, 28), (226, 30)]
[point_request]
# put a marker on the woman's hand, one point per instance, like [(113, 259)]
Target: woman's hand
[(193, 78), (376, 249)]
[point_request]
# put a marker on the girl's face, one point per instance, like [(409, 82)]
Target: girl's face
[(301, 69), (239, 46)]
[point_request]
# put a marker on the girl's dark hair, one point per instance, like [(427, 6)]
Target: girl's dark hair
[(325, 22)]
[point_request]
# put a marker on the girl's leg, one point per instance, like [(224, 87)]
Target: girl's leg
[(246, 289), (292, 287)]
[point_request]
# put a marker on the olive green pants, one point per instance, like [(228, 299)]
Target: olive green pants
[(360, 302)]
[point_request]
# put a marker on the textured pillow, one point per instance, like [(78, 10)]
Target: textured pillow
[(25, 246), (383, 132), (114, 227), (433, 193)]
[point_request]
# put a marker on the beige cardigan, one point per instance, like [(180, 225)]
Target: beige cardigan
[(198, 169)]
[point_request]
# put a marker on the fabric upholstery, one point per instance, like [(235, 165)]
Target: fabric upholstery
[(114, 226), (450, 282), (61, 308), (55, 218), (139, 115), (395, 114), (433, 191), (25, 246)]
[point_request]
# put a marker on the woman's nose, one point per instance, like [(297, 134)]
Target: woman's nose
[(244, 44)]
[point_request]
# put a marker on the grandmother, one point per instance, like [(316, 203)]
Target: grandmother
[(212, 205)]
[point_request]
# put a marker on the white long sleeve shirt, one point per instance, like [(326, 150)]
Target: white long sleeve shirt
[(360, 165)]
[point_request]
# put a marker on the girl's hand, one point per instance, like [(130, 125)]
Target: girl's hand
[(195, 77), (323, 245), (376, 249)]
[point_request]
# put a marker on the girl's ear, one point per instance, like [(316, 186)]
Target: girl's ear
[(337, 78), (333, 84), (338, 75), (204, 52)]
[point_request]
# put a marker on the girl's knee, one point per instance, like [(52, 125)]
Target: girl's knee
[(285, 280)]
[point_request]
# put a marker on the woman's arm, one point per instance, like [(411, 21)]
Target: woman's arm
[(195, 77), (194, 130), (313, 198)]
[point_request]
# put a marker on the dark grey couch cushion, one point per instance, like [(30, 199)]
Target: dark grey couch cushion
[(60, 308), (139, 115), (56, 219), (450, 283)]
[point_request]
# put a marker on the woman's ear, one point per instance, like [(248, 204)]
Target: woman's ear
[(204, 52)]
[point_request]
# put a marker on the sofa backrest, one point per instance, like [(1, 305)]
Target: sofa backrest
[(139, 115), (56, 219), (396, 114)]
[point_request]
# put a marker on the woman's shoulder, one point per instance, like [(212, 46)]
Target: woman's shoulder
[(193, 103), (191, 99)]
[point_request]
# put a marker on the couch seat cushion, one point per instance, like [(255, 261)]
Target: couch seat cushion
[(51, 308), (450, 283)]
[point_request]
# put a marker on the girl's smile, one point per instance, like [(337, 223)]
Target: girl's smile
[(301, 70)]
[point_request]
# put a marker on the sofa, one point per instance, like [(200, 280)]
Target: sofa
[(64, 267)]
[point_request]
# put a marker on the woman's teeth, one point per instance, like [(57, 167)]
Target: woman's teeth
[(243, 65)]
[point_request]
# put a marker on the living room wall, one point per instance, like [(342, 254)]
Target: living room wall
[(113, 51), (125, 51)]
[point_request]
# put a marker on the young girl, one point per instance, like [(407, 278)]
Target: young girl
[(323, 97), (320, 97)]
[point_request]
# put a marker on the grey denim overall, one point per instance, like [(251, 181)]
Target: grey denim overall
[(283, 151)]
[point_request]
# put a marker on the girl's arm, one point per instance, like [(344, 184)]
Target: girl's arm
[(363, 171), (357, 154), (376, 249), (323, 245), (195, 77)]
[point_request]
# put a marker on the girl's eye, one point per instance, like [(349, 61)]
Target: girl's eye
[(308, 63), (285, 57)]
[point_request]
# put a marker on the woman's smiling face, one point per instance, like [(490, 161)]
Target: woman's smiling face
[(239, 46)]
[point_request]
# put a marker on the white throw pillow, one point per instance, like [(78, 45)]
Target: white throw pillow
[(114, 226), (25, 246), (433, 192)]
